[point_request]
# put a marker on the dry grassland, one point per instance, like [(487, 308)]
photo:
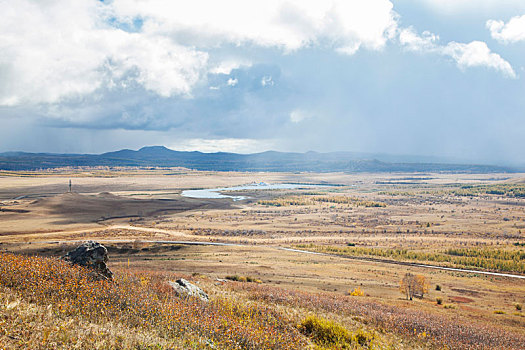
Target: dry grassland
[(422, 215)]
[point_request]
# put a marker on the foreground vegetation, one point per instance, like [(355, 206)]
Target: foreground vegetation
[(46, 303), (141, 303), (420, 329), (508, 260)]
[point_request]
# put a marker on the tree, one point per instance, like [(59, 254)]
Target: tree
[(413, 286)]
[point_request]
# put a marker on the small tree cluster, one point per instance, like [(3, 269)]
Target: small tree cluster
[(413, 286)]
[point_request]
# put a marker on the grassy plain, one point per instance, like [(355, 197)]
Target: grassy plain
[(439, 219)]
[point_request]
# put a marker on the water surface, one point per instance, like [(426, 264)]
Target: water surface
[(215, 193)]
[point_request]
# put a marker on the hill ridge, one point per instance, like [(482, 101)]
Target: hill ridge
[(161, 156)]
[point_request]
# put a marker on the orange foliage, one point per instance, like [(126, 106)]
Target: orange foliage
[(146, 302)]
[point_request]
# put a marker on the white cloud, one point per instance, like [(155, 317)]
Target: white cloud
[(223, 145), (286, 24), (473, 54), (477, 54), (163, 67), (41, 61), (414, 42), (226, 67), (512, 31), (232, 82), (298, 115), (267, 81), (463, 6), (55, 50)]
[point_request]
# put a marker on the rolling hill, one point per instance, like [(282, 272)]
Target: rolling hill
[(159, 156)]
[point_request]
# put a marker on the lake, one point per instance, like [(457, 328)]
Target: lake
[(215, 193)]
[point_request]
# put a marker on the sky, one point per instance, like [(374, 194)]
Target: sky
[(441, 78)]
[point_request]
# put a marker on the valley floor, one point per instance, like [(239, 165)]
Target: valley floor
[(467, 221)]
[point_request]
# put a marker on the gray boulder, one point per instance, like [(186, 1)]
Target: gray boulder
[(186, 289), (92, 255)]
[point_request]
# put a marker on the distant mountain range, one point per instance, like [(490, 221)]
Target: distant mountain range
[(159, 156)]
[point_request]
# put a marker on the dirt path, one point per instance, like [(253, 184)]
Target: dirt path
[(299, 251), (149, 229)]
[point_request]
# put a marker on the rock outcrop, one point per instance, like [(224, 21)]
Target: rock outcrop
[(92, 255), (186, 289)]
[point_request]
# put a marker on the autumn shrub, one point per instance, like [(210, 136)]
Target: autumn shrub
[(363, 338), (238, 278), (405, 321), (146, 302), (324, 332), (332, 335), (357, 292)]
